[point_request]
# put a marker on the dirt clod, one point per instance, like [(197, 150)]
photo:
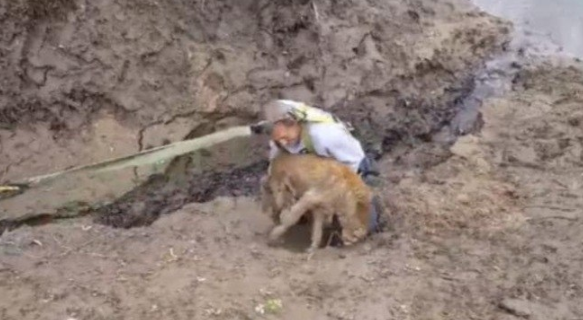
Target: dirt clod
[(518, 308)]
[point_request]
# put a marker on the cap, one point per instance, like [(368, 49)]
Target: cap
[(276, 110)]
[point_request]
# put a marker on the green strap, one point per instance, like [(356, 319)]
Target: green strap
[(307, 139), (306, 115)]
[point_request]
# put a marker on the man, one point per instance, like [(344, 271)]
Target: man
[(298, 128)]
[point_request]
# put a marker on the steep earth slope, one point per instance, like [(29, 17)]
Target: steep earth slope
[(84, 81)]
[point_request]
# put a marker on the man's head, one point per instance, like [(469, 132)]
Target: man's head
[(285, 130)]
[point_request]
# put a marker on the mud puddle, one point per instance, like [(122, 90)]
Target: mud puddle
[(493, 80)]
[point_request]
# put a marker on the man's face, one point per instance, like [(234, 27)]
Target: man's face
[(286, 132)]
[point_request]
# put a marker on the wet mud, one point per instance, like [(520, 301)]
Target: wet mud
[(159, 195), (478, 141)]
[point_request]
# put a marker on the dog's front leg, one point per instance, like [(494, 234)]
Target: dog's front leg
[(291, 216), (317, 231)]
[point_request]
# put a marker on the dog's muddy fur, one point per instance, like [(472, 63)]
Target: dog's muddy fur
[(298, 184)]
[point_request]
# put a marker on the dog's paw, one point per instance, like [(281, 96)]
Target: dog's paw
[(310, 253), (274, 239), (273, 242)]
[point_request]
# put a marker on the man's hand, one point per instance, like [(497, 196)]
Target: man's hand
[(262, 127)]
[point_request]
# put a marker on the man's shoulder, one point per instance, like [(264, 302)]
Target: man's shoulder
[(319, 128), (327, 131)]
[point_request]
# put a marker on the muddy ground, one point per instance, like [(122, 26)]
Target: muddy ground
[(484, 228)]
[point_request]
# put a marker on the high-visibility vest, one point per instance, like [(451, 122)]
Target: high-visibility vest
[(306, 115)]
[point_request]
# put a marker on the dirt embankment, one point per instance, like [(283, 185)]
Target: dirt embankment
[(176, 64), (85, 81)]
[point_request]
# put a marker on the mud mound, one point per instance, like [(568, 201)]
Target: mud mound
[(463, 193), (531, 140)]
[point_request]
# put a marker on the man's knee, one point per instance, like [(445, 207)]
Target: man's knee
[(368, 173), (367, 167)]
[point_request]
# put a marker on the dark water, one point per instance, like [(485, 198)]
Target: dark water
[(554, 26), (541, 28)]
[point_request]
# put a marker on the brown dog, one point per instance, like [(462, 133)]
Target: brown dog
[(297, 184)]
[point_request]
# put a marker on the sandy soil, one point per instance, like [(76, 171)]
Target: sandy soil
[(486, 228)]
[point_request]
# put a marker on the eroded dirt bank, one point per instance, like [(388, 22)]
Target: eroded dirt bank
[(88, 80), (490, 233)]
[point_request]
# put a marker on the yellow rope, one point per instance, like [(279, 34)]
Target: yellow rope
[(9, 188)]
